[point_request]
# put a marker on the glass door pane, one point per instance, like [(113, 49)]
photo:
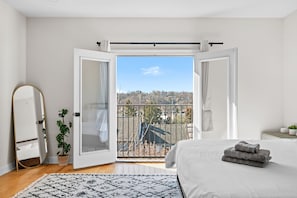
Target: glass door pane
[(214, 107), (94, 104), (225, 80)]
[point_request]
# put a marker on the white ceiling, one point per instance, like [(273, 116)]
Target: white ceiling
[(155, 8)]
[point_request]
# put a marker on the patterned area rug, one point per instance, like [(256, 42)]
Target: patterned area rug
[(103, 185)]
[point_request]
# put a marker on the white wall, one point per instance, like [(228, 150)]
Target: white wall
[(12, 72), (259, 41), (290, 69)]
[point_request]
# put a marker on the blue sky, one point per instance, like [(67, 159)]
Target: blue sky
[(150, 73)]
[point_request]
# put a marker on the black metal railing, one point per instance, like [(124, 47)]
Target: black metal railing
[(150, 130)]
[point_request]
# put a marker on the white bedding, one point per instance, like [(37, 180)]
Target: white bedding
[(202, 173)]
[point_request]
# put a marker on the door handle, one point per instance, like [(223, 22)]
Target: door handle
[(76, 114), (39, 121)]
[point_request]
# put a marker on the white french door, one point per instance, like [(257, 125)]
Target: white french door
[(230, 58), (94, 123)]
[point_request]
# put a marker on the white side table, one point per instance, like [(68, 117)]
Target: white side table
[(276, 135)]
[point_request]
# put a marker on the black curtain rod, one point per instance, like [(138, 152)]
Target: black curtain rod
[(162, 43)]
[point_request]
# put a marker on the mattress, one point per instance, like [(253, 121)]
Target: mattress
[(202, 173)]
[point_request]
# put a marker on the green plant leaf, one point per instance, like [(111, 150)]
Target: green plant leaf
[(64, 130)]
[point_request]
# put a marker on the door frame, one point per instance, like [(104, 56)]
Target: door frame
[(230, 55)]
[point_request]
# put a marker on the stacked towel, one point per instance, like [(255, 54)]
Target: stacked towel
[(246, 147), (248, 154)]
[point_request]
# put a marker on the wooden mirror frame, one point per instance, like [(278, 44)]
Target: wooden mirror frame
[(38, 160)]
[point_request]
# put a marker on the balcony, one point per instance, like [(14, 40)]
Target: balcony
[(149, 131)]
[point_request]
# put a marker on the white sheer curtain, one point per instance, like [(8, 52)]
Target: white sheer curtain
[(102, 100), (102, 114), (207, 124)]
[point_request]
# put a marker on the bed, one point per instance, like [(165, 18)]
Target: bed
[(202, 173)]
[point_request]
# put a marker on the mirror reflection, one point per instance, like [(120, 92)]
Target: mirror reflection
[(29, 126)]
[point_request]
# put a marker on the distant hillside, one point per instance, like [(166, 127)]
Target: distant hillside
[(156, 97)]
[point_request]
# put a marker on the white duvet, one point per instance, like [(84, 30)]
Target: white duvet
[(202, 173)]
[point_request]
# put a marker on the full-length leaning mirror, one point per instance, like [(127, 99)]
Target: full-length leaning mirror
[(29, 126)]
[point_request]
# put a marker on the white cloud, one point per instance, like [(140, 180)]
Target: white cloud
[(121, 90), (153, 71)]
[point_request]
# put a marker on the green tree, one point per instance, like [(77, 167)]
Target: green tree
[(179, 119), (189, 115), (130, 109), (152, 113)]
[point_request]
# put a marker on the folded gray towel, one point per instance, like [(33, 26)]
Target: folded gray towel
[(261, 156), (247, 147), (242, 161)]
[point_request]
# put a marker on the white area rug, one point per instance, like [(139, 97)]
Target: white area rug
[(103, 185)]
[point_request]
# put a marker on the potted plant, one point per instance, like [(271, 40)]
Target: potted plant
[(64, 147), (292, 129)]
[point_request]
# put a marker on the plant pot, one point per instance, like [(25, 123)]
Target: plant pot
[(284, 130), (292, 131), (63, 160)]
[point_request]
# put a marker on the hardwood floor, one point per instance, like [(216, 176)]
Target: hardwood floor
[(14, 181)]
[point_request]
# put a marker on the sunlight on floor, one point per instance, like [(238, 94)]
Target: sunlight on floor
[(143, 168), (159, 166)]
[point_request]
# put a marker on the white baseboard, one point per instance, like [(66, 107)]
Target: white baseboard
[(51, 160), (54, 160), (7, 168)]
